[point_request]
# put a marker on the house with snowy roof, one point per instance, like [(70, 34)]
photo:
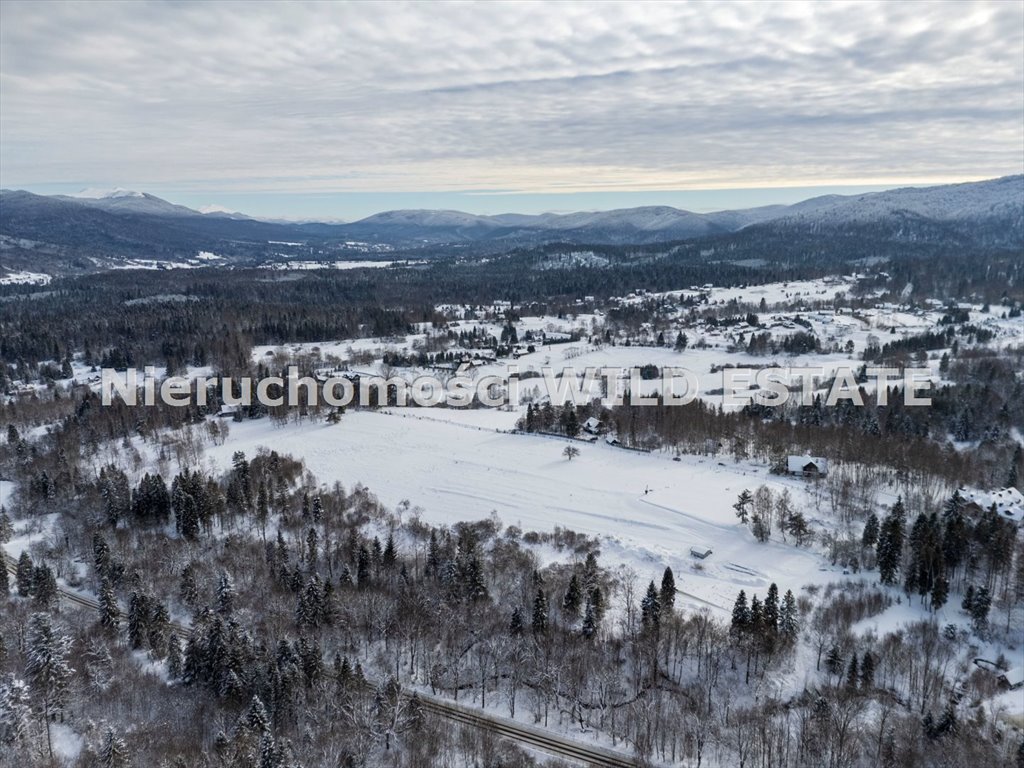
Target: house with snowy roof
[(1008, 502), (807, 466)]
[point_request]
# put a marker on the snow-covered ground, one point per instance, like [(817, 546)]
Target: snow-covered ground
[(25, 278), (67, 745), (647, 509), (6, 490), (299, 264), (843, 334)]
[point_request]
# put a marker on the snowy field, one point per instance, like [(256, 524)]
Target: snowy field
[(647, 509), (298, 264), (25, 278)]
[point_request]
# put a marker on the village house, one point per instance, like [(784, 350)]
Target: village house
[(807, 466)]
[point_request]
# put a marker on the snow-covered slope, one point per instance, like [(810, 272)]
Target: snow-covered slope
[(128, 201), (998, 201), (981, 200), (428, 218)]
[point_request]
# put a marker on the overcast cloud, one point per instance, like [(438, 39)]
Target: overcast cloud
[(224, 99)]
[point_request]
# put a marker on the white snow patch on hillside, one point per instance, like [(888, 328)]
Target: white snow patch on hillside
[(94, 193), (67, 745), (6, 492), (25, 278)]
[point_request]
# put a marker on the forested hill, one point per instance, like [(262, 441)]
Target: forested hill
[(59, 235)]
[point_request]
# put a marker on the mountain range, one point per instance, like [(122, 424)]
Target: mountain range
[(98, 228)]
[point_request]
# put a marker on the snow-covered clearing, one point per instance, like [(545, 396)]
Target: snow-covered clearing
[(6, 491), (25, 278), (300, 264), (67, 745), (647, 509)]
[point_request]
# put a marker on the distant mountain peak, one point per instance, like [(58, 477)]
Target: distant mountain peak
[(94, 193)]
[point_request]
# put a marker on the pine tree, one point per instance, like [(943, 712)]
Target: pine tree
[(980, 605), (572, 422), (312, 547), (113, 753), (472, 577), (15, 713), (573, 597), (870, 536), (138, 618), (225, 594), (256, 720), (597, 603), (49, 674), (590, 622), (44, 586), (262, 507), (940, 592), (101, 555), (740, 626), (157, 628), (390, 556), (1012, 476), (5, 582), (852, 672), (309, 611), (799, 529), (834, 661), (188, 589), (948, 722), (311, 661), (771, 612), (6, 527), (967, 603), (867, 671), (590, 571), (667, 593), (757, 628), (539, 622), (108, 606), (187, 516), (742, 505), (23, 575), (270, 755), (175, 662), (363, 567), (789, 618), (328, 604), (650, 609), (433, 555), (515, 624), (342, 672), (890, 544), (916, 546)]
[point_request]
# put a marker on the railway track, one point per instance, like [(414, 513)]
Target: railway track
[(536, 738), (533, 738)]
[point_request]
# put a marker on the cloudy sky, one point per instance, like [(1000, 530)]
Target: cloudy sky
[(340, 110)]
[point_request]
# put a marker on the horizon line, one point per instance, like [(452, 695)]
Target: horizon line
[(836, 188)]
